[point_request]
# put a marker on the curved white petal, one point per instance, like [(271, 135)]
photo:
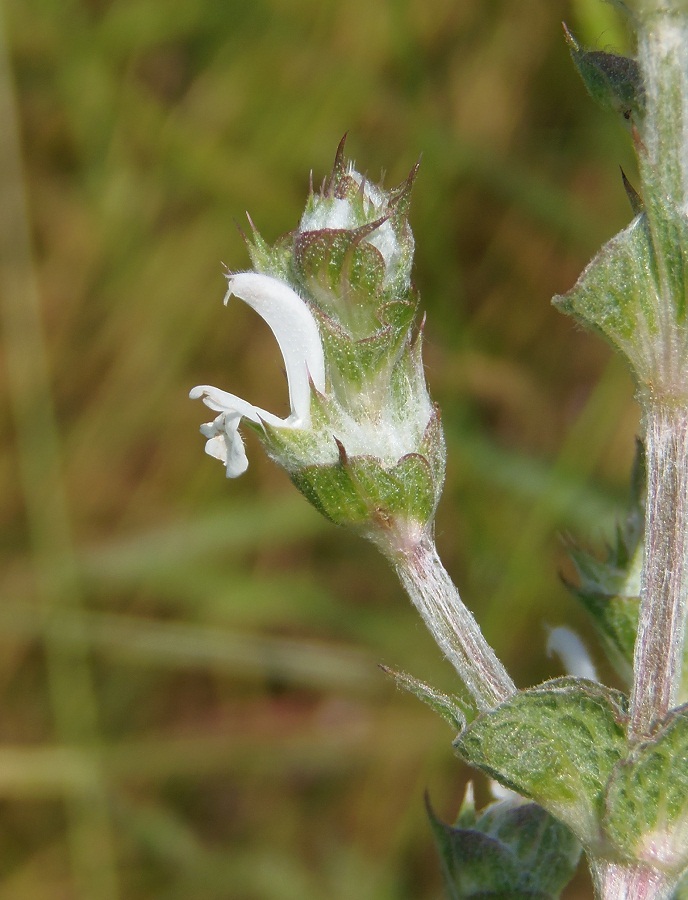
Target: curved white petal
[(225, 443), (567, 645), (224, 402), (295, 330), (297, 335)]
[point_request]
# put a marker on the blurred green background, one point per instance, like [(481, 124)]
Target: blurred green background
[(191, 704)]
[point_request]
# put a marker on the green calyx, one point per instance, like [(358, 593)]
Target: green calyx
[(510, 849), (377, 499), (373, 457)]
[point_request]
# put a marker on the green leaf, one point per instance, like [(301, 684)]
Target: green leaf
[(614, 81), (611, 595), (451, 709), (556, 744), (616, 620), (609, 589), (610, 592), (647, 799), (633, 293), (509, 850), (618, 296)]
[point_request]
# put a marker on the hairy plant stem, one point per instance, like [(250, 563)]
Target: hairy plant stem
[(624, 882), (662, 46), (663, 157), (451, 623), (664, 591), (663, 162)]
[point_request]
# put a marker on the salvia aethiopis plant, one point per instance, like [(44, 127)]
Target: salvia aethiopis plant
[(576, 764), (363, 441)]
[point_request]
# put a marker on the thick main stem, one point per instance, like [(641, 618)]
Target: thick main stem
[(452, 624), (624, 882), (663, 159), (662, 46), (663, 163), (664, 591)]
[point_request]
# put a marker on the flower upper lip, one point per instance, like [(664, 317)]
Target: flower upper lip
[(297, 335)]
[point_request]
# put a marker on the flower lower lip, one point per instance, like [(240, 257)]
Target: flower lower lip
[(224, 402)]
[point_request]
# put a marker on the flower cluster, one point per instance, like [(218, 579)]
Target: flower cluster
[(362, 440)]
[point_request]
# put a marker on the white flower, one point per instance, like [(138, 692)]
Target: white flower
[(299, 341), (567, 645)]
